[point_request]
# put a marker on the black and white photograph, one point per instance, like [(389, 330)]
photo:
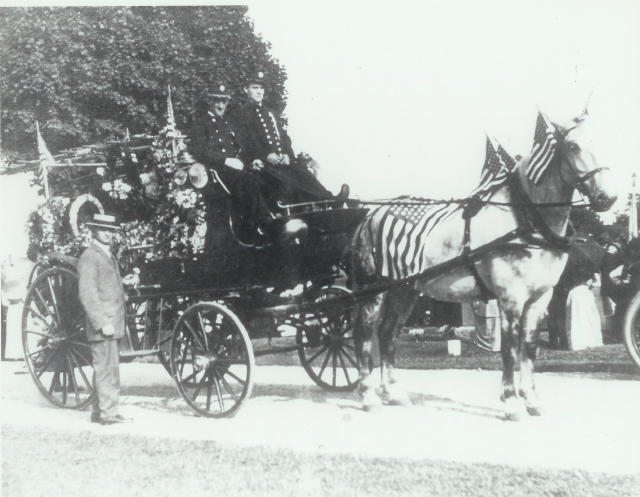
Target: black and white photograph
[(301, 248)]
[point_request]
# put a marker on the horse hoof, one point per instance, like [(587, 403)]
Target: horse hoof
[(371, 402), (513, 410), (534, 410)]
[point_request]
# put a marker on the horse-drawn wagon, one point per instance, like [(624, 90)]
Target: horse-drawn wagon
[(198, 311)]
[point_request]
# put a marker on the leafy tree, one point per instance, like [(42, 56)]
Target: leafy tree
[(88, 73)]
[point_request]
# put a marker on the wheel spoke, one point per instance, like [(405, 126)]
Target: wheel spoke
[(334, 365), (226, 385), (324, 364), (40, 333), (35, 313), (199, 387), (351, 359), (72, 377), (64, 386), (84, 376), (54, 301), (204, 331), (195, 335), (235, 377), (342, 364), (54, 381), (40, 351), (47, 361), (46, 306), (315, 356)]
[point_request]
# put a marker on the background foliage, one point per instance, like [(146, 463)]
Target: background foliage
[(87, 73)]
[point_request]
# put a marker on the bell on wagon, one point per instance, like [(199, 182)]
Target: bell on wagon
[(189, 169)]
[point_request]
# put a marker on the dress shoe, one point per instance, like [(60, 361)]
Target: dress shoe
[(341, 197), (111, 420)]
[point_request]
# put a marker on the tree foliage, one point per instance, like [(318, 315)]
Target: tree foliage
[(89, 73)]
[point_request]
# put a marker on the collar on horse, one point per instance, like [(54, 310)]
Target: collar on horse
[(531, 226)]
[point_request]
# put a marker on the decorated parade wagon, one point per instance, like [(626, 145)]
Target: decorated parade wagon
[(199, 285)]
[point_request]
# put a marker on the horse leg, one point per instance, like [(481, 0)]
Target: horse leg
[(367, 320), (396, 309), (510, 326), (530, 321)]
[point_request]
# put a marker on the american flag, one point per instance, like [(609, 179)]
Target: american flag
[(402, 234), (497, 164), (544, 148)]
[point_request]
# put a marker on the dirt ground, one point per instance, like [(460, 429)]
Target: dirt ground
[(589, 422)]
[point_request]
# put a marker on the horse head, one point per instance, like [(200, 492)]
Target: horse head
[(578, 166)]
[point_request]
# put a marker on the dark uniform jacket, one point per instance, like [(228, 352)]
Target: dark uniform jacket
[(101, 293), (260, 133), (213, 140)]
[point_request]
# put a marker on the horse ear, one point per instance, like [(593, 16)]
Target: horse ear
[(585, 111)]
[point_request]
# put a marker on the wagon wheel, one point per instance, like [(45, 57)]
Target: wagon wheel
[(144, 323), (632, 329), (54, 339), (212, 360), (325, 344)]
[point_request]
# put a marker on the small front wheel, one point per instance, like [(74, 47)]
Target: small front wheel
[(632, 329), (325, 342), (212, 360)]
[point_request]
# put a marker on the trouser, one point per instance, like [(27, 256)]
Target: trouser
[(106, 377), (293, 184), (246, 191)]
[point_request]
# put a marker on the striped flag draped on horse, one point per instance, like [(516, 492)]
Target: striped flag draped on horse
[(406, 222)]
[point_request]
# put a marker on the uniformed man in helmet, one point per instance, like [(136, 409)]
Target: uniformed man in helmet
[(266, 145), (215, 144)]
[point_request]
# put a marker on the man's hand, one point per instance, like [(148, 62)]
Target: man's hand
[(108, 330), (257, 165), (284, 159), (273, 159), (234, 163)]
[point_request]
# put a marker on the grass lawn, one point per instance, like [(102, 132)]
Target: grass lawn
[(421, 353), (89, 464)]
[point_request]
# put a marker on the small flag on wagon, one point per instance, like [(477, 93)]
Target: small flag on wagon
[(171, 120), (544, 148), (46, 160)]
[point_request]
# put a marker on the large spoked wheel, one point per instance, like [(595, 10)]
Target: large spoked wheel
[(212, 360), (325, 343), (150, 327), (632, 329), (54, 339)]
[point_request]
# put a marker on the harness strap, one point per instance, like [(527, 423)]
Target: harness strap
[(529, 217), (469, 211)]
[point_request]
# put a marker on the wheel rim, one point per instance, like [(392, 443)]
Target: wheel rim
[(326, 346), (212, 360), (54, 339), (632, 330)]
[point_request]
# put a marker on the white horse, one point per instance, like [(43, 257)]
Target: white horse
[(529, 221)]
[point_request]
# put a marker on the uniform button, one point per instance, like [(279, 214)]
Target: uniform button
[(223, 150), (270, 142)]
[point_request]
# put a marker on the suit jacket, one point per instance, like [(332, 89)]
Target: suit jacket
[(260, 133), (101, 293), (213, 140)]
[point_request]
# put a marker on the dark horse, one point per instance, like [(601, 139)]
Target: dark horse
[(511, 247)]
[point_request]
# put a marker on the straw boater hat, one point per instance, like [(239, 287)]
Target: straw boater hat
[(104, 221)]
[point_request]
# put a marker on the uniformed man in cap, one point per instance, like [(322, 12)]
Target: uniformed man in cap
[(102, 296), (215, 144), (266, 145)]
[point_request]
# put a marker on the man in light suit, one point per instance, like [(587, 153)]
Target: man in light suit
[(103, 298)]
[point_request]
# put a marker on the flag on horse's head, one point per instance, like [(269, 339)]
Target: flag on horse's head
[(46, 160), (544, 148), (497, 165)]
